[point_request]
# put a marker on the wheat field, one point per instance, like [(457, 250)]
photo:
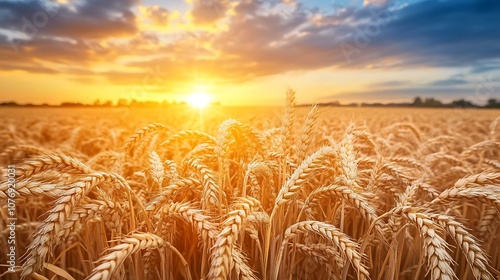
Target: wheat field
[(270, 193)]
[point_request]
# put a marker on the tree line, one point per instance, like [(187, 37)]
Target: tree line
[(417, 102), (102, 104)]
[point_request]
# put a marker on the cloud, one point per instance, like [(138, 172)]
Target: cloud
[(423, 34), (248, 8), (158, 15), (82, 19), (455, 80), (208, 11), (376, 2), (393, 83), (436, 33), (480, 68)]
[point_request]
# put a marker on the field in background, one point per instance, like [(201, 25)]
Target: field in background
[(252, 193)]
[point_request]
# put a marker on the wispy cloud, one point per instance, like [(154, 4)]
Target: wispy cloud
[(455, 80)]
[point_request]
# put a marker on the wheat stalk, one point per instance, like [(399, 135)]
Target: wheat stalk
[(435, 247), (346, 246), (221, 256), (111, 262)]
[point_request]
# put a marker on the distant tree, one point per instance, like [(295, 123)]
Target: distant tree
[(122, 102), (9, 103), (97, 102), (108, 103), (417, 102), (431, 102), (462, 103), (492, 103), (71, 104)]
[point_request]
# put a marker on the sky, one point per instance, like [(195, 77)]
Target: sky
[(248, 52)]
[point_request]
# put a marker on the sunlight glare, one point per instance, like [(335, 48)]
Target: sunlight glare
[(199, 99)]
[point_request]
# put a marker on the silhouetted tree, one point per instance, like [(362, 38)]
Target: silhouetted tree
[(462, 103), (9, 103), (492, 103), (417, 102), (122, 102), (72, 104), (431, 102)]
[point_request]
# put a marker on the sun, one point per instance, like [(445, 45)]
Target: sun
[(199, 99)]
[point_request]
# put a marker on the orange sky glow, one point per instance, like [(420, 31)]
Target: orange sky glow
[(242, 52)]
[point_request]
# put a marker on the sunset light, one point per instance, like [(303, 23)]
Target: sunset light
[(255, 139), (199, 99), (350, 51)]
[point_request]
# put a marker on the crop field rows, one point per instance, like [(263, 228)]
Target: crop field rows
[(277, 193)]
